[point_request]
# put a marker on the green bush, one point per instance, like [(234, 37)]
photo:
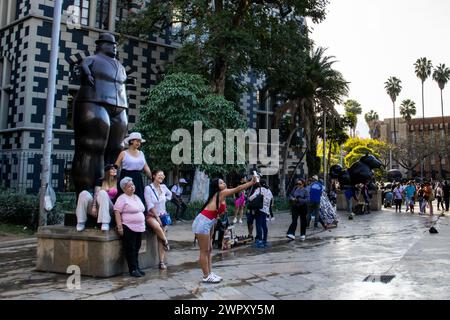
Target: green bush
[(23, 209), (19, 209)]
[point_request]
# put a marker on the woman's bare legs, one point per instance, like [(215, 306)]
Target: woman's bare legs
[(204, 242)]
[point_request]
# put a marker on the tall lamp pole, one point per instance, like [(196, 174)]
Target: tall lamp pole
[(319, 90), (46, 158), (324, 149)]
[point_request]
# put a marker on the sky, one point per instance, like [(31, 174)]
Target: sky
[(374, 40)]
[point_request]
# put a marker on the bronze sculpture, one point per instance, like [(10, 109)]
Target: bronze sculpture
[(99, 118)]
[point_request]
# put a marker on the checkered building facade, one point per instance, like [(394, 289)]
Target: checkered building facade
[(25, 41)]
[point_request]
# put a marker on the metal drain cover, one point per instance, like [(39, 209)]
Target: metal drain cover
[(385, 278)]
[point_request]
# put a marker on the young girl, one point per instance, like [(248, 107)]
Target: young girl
[(239, 203)]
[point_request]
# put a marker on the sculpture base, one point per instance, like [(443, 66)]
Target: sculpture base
[(97, 253), (375, 202)]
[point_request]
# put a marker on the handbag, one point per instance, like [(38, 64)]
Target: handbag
[(257, 203), (166, 219)]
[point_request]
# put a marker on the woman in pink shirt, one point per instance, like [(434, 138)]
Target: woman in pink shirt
[(129, 213)]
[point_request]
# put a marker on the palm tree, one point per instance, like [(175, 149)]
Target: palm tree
[(408, 110), (371, 118), (441, 75), (423, 71), (393, 88), (353, 107), (307, 104)]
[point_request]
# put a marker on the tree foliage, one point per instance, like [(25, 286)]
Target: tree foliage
[(222, 40), (175, 103)]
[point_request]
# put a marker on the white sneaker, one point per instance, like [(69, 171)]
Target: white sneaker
[(302, 238), (218, 277), (211, 278), (240, 221), (290, 236), (272, 219), (105, 226), (80, 226), (234, 220)]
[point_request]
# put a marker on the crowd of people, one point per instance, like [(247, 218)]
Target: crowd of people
[(411, 193), (136, 208), (124, 201)]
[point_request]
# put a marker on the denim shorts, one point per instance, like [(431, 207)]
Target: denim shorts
[(202, 224)]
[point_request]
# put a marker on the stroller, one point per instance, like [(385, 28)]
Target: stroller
[(388, 199)]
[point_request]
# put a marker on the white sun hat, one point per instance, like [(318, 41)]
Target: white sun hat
[(133, 136)]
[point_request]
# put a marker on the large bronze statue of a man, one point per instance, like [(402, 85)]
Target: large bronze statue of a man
[(99, 116)]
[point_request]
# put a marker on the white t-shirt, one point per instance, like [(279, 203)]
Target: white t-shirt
[(267, 198), (154, 199), (178, 190)]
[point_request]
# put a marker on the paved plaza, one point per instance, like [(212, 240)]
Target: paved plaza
[(393, 252)]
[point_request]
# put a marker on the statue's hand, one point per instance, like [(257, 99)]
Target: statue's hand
[(91, 80)]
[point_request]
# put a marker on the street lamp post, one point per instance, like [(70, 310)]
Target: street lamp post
[(46, 157), (324, 149), (318, 90)]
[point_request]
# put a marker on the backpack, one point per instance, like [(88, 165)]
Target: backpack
[(315, 192), (257, 203)]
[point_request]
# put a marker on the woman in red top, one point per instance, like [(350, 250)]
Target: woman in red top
[(203, 225)]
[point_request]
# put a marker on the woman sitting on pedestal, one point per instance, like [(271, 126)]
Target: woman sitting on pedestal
[(98, 204), (156, 195)]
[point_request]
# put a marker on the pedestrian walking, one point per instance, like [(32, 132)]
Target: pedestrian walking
[(429, 196), (299, 198), (446, 194), (398, 198), (438, 193), (350, 195), (262, 214), (315, 190)]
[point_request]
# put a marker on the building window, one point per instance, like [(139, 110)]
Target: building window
[(123, 8), (83, 6), (102, 20), (5, 89)]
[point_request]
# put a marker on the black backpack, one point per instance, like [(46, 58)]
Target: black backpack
[(257, 203)]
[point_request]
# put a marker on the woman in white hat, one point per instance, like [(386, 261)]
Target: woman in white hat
[(132, 162)]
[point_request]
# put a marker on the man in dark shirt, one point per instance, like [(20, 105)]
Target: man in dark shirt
[(446, 192)]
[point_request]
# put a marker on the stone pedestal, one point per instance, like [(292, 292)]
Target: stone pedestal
[(375, 202), (97, 253)]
